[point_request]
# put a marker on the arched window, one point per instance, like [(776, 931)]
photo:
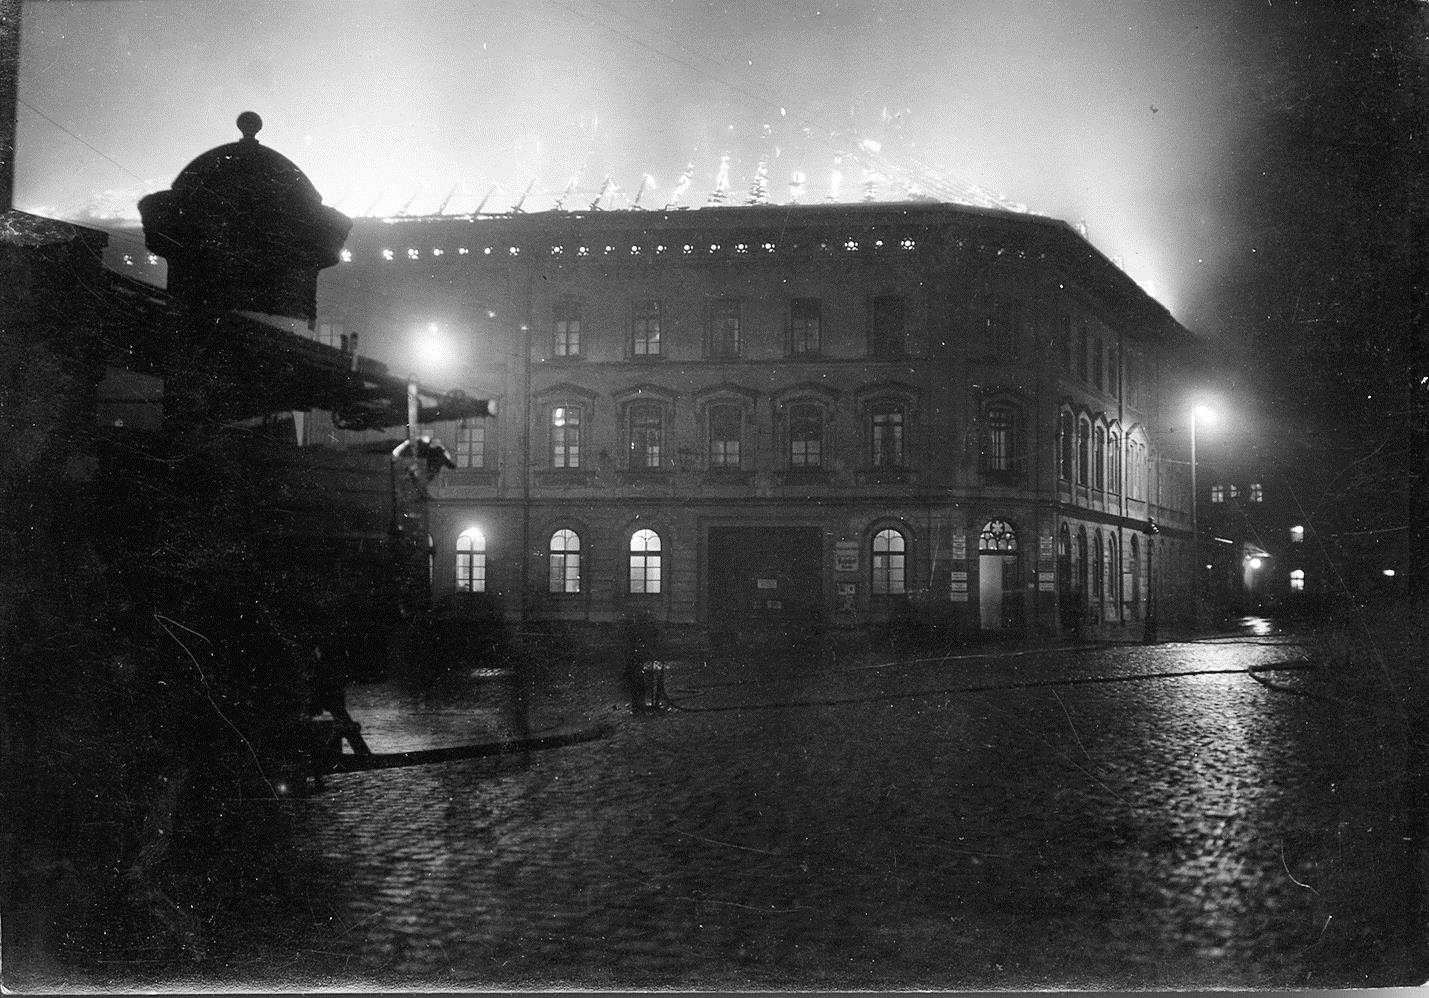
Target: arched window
[(1113, 460), (890, 564), (1113, 574), (565, 562), (1082, 567), (997, 537), (1099, 459), (1084, 448), (1098, 567), (471, 561), (1067, 445), (645, 562)]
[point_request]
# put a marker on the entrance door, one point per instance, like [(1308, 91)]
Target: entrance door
[(765, 576), (999, 597)]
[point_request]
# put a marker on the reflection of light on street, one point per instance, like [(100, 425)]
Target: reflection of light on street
[(1224, 788)]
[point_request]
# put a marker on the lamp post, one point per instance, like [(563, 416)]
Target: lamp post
[(1198, 412)]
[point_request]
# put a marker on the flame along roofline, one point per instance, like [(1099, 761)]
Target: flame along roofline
[(1074, 249)]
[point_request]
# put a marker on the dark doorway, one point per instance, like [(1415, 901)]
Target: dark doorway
[(765, 577)]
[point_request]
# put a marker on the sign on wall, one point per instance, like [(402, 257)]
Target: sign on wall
[(846, 556)]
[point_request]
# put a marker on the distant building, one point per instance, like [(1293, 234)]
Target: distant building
[(750, 417)]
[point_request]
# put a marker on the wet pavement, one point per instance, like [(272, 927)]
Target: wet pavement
[(1114, 816)]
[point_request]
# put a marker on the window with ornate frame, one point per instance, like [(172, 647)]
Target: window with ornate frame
[(471, 561), (1098, 566), (565, 426), (564, 575), (645, 328), (889, 563), (886, 424), (645, 563), (806, 435), (646, 435), (725, 423), (805, 326)]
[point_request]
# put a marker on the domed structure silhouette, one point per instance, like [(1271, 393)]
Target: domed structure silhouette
[(244, 229)]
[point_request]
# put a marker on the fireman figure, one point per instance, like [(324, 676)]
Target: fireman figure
[(330, 695), (429, 451)]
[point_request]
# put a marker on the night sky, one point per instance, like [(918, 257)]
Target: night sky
[(1247, 161)]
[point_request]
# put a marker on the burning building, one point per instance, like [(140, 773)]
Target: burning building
[(755, 417)]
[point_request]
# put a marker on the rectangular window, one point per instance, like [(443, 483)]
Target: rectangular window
[(887, 435), (999, 455), (647, 424), (726, 426), (1082, 347), (1099, 459), (1003, 329), (566, 330), (806, 436), (645, 329), (1257, 492), (1113, 369), (722, 328), (329, 333), (805, 321), (886, 331), (471, 443), (1097, 362), (566, 436), (1218, 493)]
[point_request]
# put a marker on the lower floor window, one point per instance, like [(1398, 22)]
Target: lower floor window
[(889, 563), (1297, 580), (471, 561), (565, 555), (645, 562)]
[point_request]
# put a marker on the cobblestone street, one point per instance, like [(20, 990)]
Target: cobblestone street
[(1118, 816)]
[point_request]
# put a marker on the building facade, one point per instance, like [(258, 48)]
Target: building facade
[(757, 417)]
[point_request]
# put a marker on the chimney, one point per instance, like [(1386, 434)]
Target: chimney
[(9, 86)]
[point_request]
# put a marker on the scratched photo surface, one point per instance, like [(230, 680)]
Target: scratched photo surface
[(685, 495)]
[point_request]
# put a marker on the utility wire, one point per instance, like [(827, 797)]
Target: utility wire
[(90, 146)]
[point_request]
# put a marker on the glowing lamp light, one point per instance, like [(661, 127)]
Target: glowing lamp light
[(431, 353), (1255, 564), (1388, 573), (1205, 415)]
